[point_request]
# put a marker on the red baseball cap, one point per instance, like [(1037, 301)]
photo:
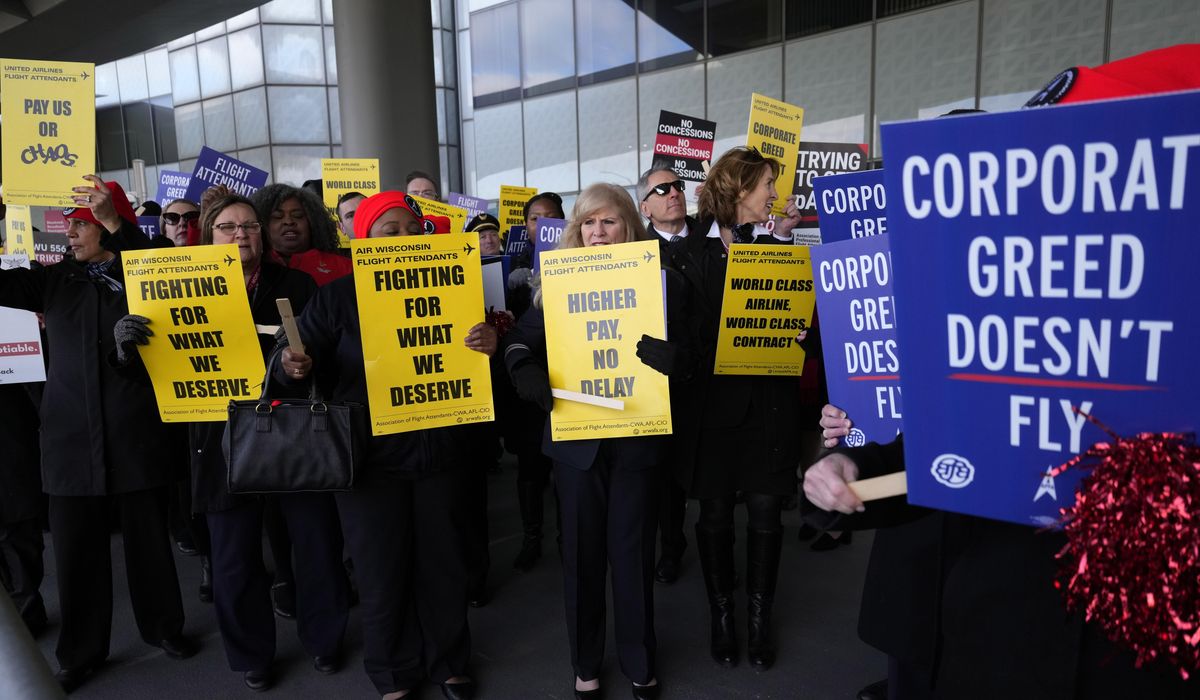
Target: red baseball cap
[(120, 203), (1170, 69)]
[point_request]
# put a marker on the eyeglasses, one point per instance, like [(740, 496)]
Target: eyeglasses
[(425, 194), (664, 189), (229, 229), (173, 217)]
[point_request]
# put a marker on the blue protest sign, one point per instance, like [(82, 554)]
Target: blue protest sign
[(853, 205), (858, 335), (518, 241), (215, 168), (1041, 262), (172, 185), (549, 232), (149, 225), (474, 205)]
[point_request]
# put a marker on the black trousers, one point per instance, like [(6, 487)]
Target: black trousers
[(242, 587), (608, 521), (479, 559), (408, 542), (79, 528), (672, 509), (21, 568)]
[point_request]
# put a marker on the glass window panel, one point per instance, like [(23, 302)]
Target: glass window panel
[(187, 166), (444, 169), (669, 32), (679, 90), (158, 73), (139, 133), (438, 78), (246, 19), (327, 11), (435, 11), (164, 134), (455, 176), (301, 11), (185, 80), (466, 95), (335, 116), (330, 57), (440, 103), (1027, 42), (213, 58), (462, 16), (246, 58), (214, 31), (258, 157), (189, 130), (551, 143), (477, 5), (452, 117), (218, 124), (608, 130), (1141, 25), (547, 44), (468, 158), (925, 64), (120, 176), (108, 86), (604, 39), (250, 108), (499, 155), (339, 152), (805, 17), (293, 54), (448, 55), (746, 24), (887, 8), (295, 164), (730, 82), (830, 77), (298, 114), (110, 138), (181, 42), (131, 74), (495, 56)]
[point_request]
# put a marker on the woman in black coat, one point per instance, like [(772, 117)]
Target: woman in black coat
[(102, 440), (406, 520), (607, 488)]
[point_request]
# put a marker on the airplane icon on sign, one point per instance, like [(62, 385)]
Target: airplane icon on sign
[(467, 249), (228, 260), (649, 256)]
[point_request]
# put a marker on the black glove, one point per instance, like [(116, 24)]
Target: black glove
[(533, 384), (659, 355), (131, 330)]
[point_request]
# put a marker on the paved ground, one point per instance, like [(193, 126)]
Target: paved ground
[(520, 643)]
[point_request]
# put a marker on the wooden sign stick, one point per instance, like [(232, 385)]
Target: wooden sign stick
[(289, 325), (885, 486)]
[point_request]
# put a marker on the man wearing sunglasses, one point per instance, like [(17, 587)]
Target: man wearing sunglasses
[(177, 218)]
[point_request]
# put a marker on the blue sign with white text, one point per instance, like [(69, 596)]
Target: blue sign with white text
[(215, 168), (518, 241), (474, 205), (549, 232), (851, 205), (858, 335), (149, 226), (1043, 262), (172, 185)]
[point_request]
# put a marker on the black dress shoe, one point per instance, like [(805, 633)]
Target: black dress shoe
[(807, 532), (667, 570), (459, 691), (283, 600), (186, 548), (478, 599), (179, 647), (328, 665), (646, 692), (71, 678), (259, 681), (205, 589), (593, 694), (876, 691)]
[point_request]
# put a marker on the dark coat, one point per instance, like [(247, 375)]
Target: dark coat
[(329, 328), (20, 477), (210, 488), (101, 430)]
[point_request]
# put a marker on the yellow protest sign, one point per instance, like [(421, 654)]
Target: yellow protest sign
[(775, 131), (768, 299), (19, 235), (418, 296), (512, 206), (457, 215), (204, 351), (342, 175), (49, 135), (598, 302)]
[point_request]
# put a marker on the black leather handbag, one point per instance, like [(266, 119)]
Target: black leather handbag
[(292, 445)]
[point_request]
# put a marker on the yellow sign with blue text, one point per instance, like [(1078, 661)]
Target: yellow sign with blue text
[(774, 131), (457, 215), (418, 297), (19, 236), (512, 206), (49, 135), (598, 303), (768, 300), (342, 175), (205, 351)]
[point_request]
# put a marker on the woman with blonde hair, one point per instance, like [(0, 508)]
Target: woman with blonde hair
[(608, 488)]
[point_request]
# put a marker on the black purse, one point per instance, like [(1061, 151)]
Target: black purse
[(292, 445)]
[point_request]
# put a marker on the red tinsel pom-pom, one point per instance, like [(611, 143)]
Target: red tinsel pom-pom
[(502, 321), (1132, 559)]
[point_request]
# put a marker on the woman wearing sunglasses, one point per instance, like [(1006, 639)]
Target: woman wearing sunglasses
[(177, 219)]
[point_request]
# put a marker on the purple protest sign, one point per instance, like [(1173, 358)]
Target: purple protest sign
[(215, 168), (172, 185), (549, 232), (474, 205), (858, 335)]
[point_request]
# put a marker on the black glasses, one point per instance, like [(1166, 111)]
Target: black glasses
[(664, 189), (173, 217)]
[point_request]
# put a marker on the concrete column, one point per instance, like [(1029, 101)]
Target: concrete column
[(385, 86)]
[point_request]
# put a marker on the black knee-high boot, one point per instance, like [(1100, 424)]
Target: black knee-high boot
[(715, 550), (762, 571)]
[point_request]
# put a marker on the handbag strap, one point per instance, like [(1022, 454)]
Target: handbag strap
[(314, 393)]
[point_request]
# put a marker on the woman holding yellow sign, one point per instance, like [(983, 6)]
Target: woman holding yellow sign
[(607, 488), (405, 521)]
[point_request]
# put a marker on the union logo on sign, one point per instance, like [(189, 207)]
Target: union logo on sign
[(953, 471), (856, 438)]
